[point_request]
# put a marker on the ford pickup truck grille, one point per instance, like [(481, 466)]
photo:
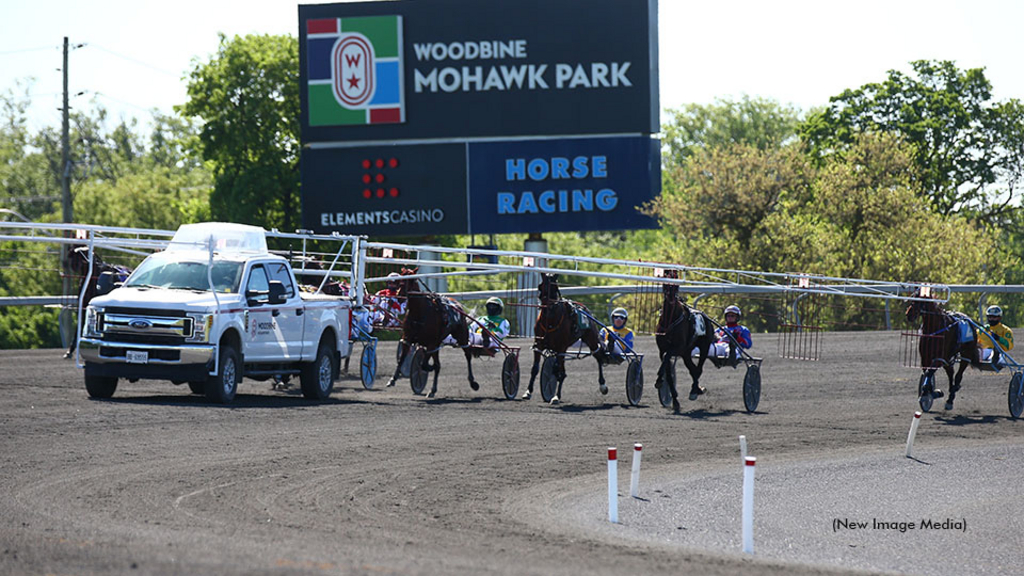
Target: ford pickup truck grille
[(147, 328)]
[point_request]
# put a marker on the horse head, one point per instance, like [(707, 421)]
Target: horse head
[(407, 285), (548, 289), (920, 306), (670, 291)]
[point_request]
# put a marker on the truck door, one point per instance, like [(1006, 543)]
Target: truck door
[(289, 316), (260, 324)]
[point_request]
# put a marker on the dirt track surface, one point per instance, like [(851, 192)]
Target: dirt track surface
[(157, 481)]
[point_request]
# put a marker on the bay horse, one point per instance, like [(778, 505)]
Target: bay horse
[(678, 334), (558, 327), (104, 277), (940, 343), (429, 318)]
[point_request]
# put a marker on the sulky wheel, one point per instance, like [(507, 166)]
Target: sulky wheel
[(924, 391), (368, 364), (1015, 396), (665, 392), (634, 382), (510, 376), (752, 387), (417, 375), (548, 379)]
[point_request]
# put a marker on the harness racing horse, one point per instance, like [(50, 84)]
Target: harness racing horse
[(680, 330), (557, 328), (77, 265), (941, 342), (429, 318)]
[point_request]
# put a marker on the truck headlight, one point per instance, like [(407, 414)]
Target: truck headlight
[(92, 325), (201, 326)]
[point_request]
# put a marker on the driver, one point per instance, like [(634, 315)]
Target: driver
[(613, 338), (388, 306), (1004, 336), (732, 330)]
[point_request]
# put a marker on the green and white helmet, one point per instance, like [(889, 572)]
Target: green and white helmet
[(497, 301)]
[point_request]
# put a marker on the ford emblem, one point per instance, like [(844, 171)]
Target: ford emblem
[(140, 324)]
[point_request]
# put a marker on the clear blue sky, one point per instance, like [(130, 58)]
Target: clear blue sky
[(798, 52)]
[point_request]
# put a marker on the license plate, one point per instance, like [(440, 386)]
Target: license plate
[(136, 357)]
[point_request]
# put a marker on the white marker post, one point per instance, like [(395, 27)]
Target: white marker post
[(613, 486), (910, 436), (748, 504), (634, 479), (743, 448)]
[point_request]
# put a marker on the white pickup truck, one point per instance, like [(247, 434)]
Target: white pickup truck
[(213, 307)]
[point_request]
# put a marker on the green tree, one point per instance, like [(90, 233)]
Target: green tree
[(757, 122), (967, 148), (246, 97)]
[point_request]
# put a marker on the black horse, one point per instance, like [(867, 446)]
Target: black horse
[(679, 331), (941, 341), (103, 280), (428, 320), (557, 328)]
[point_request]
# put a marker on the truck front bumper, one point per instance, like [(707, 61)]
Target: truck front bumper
[(164, 362)]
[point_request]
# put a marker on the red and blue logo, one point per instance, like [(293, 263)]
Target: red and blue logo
[(355, 71)]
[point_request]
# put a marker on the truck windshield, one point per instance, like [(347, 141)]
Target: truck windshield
[(159, 272)]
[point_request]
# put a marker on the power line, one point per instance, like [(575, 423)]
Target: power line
[(21, 50), (134, 60)]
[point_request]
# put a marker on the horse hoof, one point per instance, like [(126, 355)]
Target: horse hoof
[(949, 405), (527, 395), (937, 393), (604, 389), (474, 386), (430, 394), (554, 400), (390, 383), (694, 392), (675, 406)]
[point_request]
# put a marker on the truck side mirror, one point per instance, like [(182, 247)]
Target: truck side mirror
[(255, 297), (277, 293), (105, 283)]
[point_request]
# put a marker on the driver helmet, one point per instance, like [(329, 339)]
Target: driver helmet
[(620, 313), (733, 309), (393, 279), (494, 306), (994, 312)]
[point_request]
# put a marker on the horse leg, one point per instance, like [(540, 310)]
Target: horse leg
[(560, 374), (401, 360), (533, 374), (670, 379), (696, 389), (955, 384), (437, 372), (600, 377), (469, 367)]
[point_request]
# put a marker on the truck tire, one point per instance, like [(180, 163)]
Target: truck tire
[(317, 377), (100, 386), (222, 387)]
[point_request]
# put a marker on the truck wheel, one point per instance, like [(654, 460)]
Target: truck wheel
[(317, 377), (100, 386), (197, 387), (222, 387)]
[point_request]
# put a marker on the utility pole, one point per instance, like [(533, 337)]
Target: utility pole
[(65, 145), (67, 329)]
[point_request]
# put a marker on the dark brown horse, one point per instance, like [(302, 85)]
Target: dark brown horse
[(679, 331), (429, 318), (557, 328), (941, 342), (103, 279)]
